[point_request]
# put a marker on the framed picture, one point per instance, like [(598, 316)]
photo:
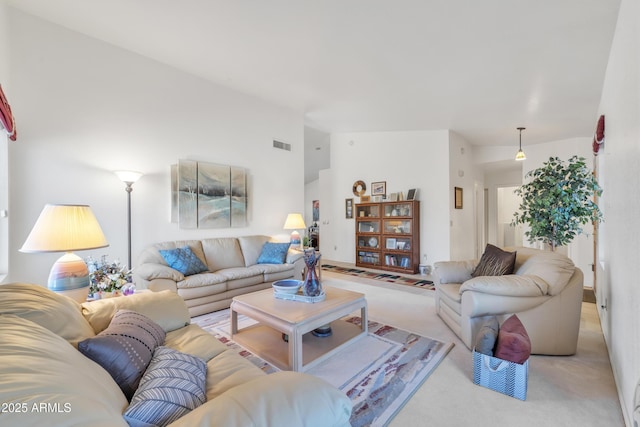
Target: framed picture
[(348, 208), (457, 192), (379, 188), (315, 209), (393, 197), (391, 243), (365, 199), (411, 195)]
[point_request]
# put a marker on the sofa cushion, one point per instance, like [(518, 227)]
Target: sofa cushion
[(184, 260), (251, 247), (125, 348), (39, 367), (166, 308), (487, 336), (222, 252), (202, 279), (273, 253), (172, 386), (310, 402), (58, 313), (194, 340), (495, 262), (513, 343)]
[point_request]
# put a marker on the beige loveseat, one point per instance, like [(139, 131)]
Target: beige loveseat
[(232, 270), (46, 381), (545, 292)]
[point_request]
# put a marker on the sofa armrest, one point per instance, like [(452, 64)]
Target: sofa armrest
[(454, 271), (508, 285), (150, 271), (279, 399), (165, 308), (293, 256)]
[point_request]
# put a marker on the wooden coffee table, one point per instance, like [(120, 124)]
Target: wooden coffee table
[(297, 319)]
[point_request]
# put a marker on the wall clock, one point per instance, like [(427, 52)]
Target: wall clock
[(359, 187)]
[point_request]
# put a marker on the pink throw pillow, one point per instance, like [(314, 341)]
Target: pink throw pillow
[(513, 344)]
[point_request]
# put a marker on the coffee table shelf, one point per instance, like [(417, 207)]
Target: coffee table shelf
[(297, 320), (268, 343)]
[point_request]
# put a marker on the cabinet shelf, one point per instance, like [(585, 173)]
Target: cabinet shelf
[(388, 235)]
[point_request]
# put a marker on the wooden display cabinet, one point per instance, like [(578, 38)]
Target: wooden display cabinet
[(388, 235)]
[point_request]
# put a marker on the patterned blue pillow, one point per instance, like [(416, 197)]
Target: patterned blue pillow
[(273, 253), (173, 385), (184, 260)]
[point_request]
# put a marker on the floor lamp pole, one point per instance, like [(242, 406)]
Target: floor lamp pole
[(129, 189), (128, 177)]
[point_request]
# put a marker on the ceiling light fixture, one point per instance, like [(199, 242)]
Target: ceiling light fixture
[(520, 154)]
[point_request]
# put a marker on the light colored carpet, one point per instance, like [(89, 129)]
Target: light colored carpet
[(379, 372), (565, 391)]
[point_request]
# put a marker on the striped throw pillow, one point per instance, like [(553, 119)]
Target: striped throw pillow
[(172, 386)]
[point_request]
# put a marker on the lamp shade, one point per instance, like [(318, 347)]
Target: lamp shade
[(65, 228), (294, 221), (128, 176)]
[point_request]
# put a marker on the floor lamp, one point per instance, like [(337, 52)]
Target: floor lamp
[(128, 177), (66, 228)]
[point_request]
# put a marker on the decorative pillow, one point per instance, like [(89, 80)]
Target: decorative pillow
[(495, 262), (184, 260), (273, 253), (513, 344), (125, 348), (487, 336), (172, 386)]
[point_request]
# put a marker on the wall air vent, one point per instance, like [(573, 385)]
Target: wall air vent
[(281, 145)]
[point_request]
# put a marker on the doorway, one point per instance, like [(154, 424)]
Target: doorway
[(508, 203)]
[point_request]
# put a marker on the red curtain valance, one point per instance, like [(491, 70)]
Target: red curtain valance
[(6, 118)]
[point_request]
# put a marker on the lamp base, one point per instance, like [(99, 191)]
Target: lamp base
[(69, 276)]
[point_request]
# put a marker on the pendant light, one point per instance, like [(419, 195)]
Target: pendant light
[(520, 154)]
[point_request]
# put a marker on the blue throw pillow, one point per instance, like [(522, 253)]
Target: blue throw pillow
[(173, 385), (184, 260), (273, 253)]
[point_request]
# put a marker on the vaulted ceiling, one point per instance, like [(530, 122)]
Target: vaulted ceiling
[(479, 68)]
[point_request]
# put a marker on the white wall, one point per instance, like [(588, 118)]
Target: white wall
[(493, 181), (617, 286), (412, 159), (311, 193), (464, 222), (86, 108)]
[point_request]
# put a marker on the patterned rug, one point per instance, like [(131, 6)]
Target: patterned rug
[(379, 372), (386, 277)]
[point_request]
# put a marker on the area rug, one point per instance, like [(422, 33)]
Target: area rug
[(379, 372), (386, 277)]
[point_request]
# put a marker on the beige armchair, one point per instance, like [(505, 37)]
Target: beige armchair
[(545, 292)]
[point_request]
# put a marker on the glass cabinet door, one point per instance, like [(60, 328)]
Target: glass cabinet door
[(397, 226), (368, 211), (368, 226), (398, 209)]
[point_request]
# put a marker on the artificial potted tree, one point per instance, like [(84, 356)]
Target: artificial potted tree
[(558, 201)]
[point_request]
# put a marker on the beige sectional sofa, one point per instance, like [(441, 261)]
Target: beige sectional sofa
[(46, 381), (233, 269), (545, 291)]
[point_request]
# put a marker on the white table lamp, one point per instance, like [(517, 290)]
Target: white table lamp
[(295, 222), (66, 228)]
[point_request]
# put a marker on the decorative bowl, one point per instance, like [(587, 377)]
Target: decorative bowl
[(287, 286)]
